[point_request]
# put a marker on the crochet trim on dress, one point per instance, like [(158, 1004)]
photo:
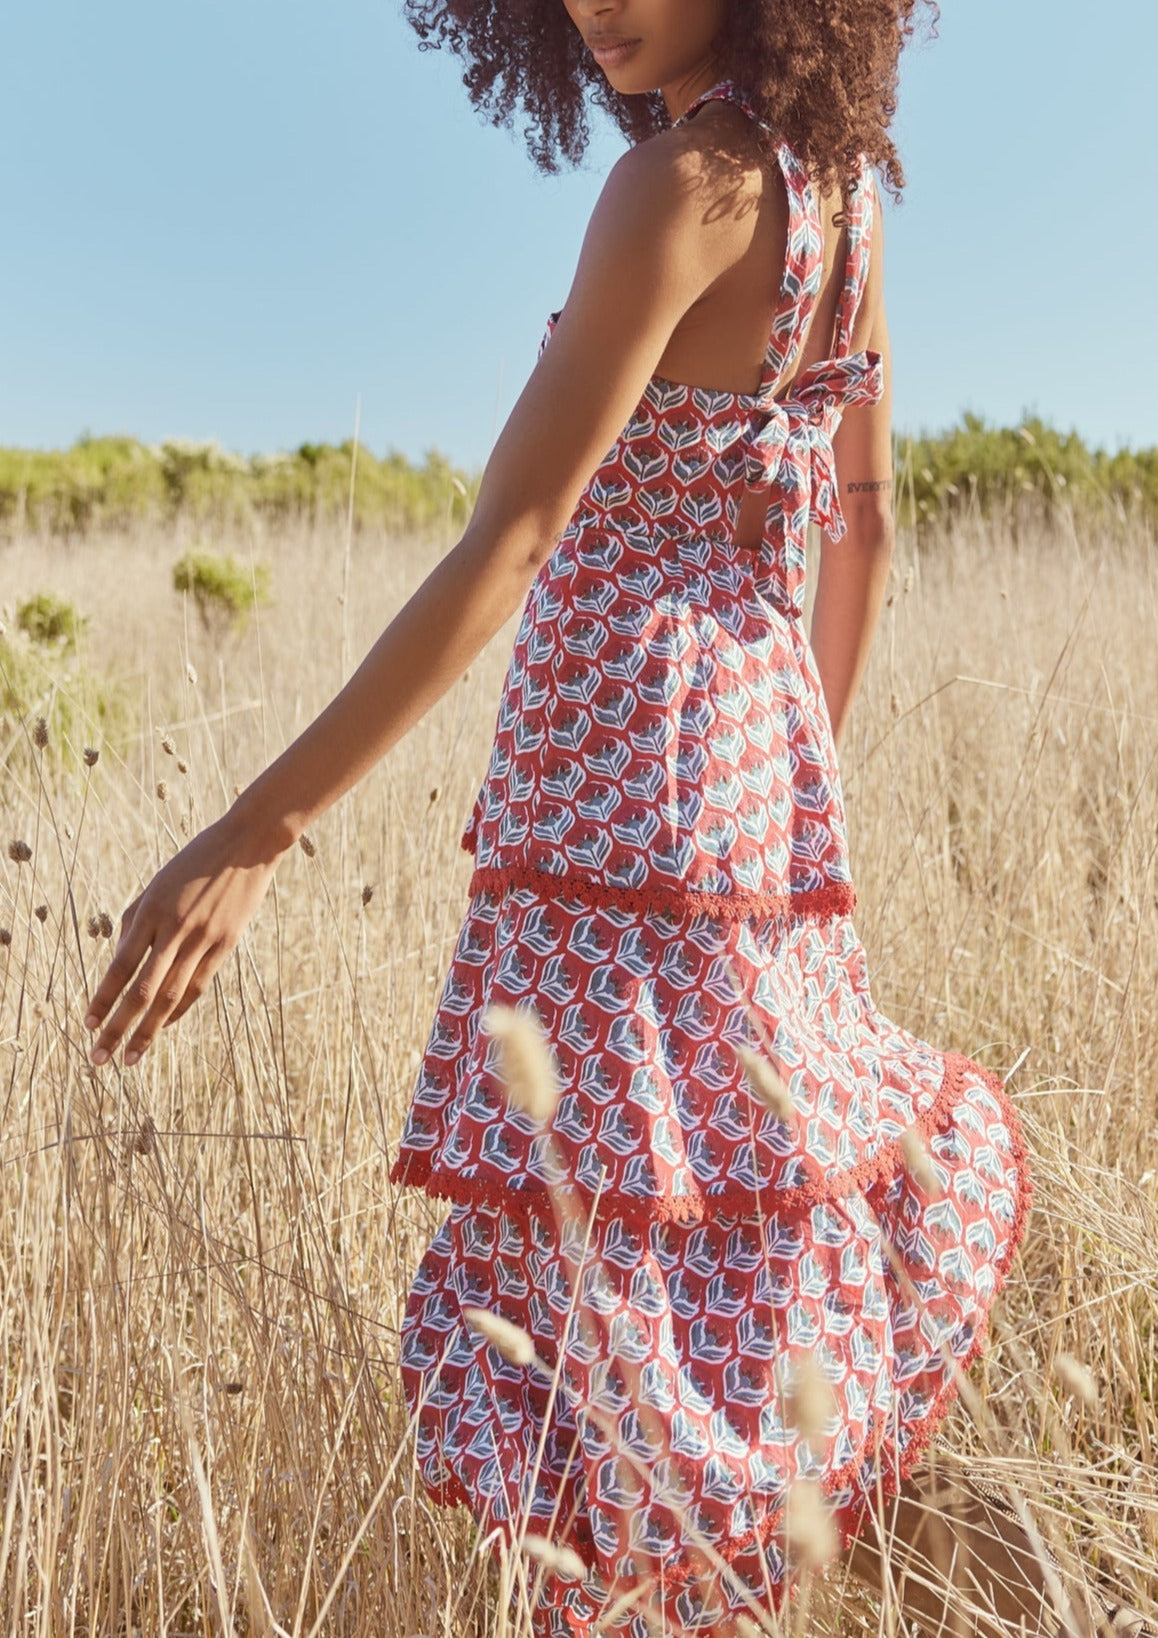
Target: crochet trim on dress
[(820, 903), (417, 1169)]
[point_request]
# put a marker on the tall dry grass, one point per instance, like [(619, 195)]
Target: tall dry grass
[(203, 1265)]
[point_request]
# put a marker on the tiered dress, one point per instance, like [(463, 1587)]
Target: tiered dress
[(662, 877)]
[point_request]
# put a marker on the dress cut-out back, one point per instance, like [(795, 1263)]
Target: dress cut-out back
[(661, 876)]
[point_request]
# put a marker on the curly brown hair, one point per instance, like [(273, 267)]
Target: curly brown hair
[(821, 73)]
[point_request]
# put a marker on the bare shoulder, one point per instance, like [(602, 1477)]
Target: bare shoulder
[(698, 188), (718, 143)]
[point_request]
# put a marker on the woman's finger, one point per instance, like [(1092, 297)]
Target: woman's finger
[(201, 980), (136, 939), (179, 988), (138, 990)]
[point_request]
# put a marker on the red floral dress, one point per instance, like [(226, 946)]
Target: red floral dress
[(662, 877)]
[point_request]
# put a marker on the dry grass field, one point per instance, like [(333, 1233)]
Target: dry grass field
[(202, 1264)]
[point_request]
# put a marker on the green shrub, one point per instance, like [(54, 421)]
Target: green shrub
[(224, 591), (79, 708), (118, 481), (997, 469), (50, 620)]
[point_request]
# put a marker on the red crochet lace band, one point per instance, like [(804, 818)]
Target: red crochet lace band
[(834, 899), (415, 1168)]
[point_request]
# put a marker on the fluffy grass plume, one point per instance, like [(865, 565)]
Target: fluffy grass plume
[(527, 1069)]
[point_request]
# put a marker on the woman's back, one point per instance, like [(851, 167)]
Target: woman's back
[(720, 341), (745, 467), (690, 241)]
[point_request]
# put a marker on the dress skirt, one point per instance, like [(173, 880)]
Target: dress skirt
[(678, 1249)]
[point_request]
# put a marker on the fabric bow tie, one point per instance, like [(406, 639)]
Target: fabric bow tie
[(806, 419)]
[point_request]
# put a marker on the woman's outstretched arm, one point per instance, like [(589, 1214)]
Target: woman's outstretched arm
[(850, 584), (662, 230)]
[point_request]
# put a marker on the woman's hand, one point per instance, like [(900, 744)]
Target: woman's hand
[(185, 923)]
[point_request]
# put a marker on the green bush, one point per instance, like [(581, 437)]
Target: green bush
[(113, 482), (50, 620), (1000, 468), (224, 591), (79, 708)]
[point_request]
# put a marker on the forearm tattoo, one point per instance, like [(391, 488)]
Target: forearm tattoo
[(865, 488)]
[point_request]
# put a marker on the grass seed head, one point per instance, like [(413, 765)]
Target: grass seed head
[(5, 937), (91, 756), (508, 1339), (167, 745), (526, 1065), (162, 791), (810, 1399), (19, 852), (811, 1530), (306, 843), (40, 733), (1076, 1378), (917, 1161), (766, 1083), (562, 1561), (105, 924), (367, 895), (41, 912), (93, 927)]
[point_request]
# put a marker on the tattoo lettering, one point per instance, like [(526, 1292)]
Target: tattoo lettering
[(880, 483)]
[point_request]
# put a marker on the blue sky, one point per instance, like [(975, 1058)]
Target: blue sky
[(229, 220)]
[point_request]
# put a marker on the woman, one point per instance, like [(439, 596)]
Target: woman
[(739, 1254)]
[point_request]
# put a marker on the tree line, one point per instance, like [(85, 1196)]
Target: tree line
[(119, 481)]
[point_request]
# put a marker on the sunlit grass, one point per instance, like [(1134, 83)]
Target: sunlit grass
[(203, 1264)]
